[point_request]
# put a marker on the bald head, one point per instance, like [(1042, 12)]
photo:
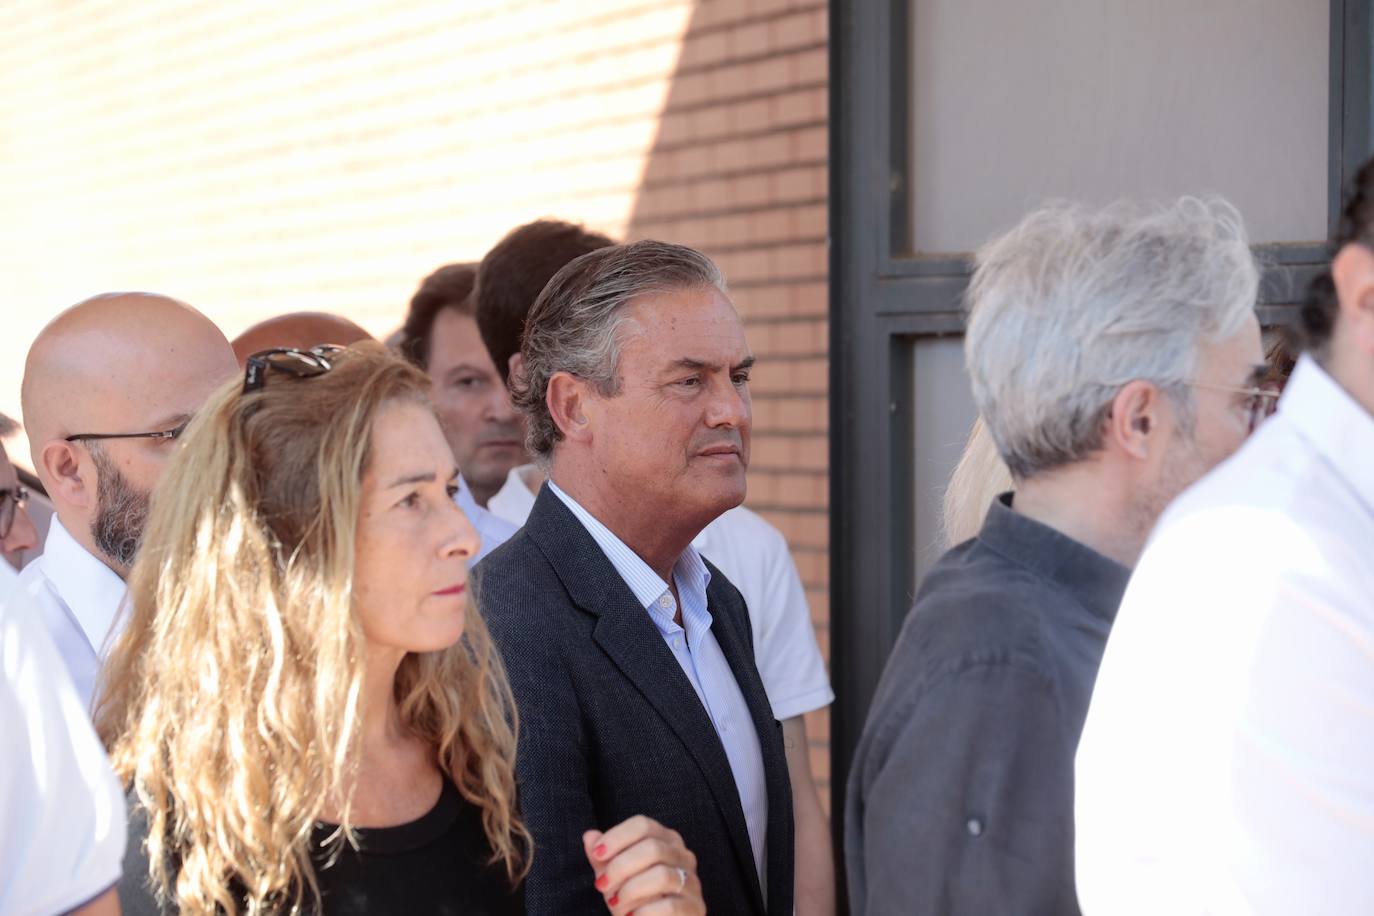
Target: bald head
[(301, 330), (115, 364)]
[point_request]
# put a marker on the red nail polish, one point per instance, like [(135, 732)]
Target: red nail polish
[(601, 883), (614, 900), (600, 850)]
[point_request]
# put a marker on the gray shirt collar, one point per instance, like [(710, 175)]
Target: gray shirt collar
[(1098, 582)]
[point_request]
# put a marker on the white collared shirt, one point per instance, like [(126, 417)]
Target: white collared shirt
[(754, 557), (701, 659), (61, 806), (9, 576), (492, 529), (1227, 763), (78, 598)]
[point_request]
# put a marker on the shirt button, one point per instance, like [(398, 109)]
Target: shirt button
[(975, 827), (666, 601)]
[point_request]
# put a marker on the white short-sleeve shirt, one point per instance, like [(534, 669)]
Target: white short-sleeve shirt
[(62, 809), (1227, 763), (754, 557)]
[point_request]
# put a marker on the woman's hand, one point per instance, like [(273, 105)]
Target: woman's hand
[(643, 867)]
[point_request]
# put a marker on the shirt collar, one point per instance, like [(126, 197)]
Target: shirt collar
[(90, 589), (514, 501), (689, 574), (1335, 424), (1096, 581)]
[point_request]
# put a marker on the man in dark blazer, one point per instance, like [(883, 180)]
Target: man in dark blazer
[(629, 655)]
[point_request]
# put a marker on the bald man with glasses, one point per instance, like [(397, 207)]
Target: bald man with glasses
[(109, 384)]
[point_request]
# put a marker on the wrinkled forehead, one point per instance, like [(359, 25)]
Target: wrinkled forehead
[(698, 323)]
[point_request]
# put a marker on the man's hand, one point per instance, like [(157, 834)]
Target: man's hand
[(643, 867)]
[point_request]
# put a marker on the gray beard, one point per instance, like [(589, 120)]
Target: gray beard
[(121, 513)]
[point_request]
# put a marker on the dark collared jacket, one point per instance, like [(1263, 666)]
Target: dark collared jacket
[(610, 727), (960, 799)]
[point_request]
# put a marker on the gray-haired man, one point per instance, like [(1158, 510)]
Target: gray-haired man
[(1113, 355), (629, 655)]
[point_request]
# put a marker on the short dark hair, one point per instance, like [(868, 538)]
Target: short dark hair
[(448, 287), (515, 272), (1317, 318), (575, 323)]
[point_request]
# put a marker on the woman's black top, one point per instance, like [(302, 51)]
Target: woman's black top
[(437, 864)]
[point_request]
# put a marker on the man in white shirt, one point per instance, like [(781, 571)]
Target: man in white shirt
[(485, 433), (62, 846), (108, 386), (1225, 767)]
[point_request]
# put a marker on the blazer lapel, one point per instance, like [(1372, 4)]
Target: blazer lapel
[(627, 635)]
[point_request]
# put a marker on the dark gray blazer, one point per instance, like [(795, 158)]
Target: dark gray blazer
[(610, 726)]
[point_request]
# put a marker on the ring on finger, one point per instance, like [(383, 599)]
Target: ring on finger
[(681, 879)]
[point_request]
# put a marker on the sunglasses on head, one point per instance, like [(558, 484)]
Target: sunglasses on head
[(288, 361)]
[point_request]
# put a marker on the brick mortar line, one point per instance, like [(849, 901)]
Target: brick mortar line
[(736, 211), (770, 245), (780, 281), (744, 61), (478, 85), (790, 356), (792, 318), (738, 173), (755, 20), (735, 137)]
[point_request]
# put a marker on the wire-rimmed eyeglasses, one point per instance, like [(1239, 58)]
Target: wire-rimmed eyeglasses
[(1260, 403)]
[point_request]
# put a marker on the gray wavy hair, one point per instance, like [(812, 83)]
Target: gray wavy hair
[(1072, 304), (574, 325)]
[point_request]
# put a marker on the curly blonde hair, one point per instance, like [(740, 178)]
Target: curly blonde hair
[(232, 701)]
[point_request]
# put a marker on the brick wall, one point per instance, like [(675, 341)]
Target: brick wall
[(254, 158), (739, 171)]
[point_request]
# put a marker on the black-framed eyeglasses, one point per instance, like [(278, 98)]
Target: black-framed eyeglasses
[(288, 360), (166, 434), (12, 499)]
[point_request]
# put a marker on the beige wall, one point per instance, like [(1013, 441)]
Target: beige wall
[(254, 158)]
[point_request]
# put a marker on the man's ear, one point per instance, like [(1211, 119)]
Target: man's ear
[(567, 399), (515, 368), (1352, 272), (62, 475), (1135, 418)]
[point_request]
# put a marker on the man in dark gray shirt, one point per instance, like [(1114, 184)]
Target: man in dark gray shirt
[(1113, 355)]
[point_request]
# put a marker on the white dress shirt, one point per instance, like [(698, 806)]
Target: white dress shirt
[(1227, 763), (493, 530), (754, 557), (8, 576), (700, 656), (78, 598), (62, 808)]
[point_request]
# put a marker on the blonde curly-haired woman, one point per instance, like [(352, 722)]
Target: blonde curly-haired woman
[(309, 713)]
